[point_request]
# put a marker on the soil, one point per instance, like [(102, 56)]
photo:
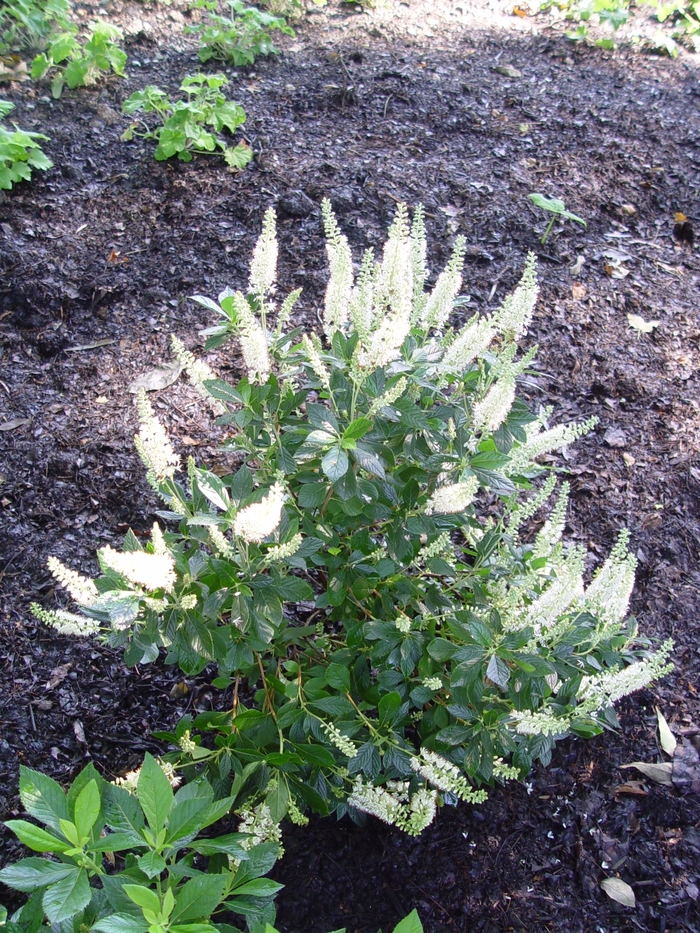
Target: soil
[(466, 109)]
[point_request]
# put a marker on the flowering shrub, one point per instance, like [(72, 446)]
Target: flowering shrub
[(365, 577)]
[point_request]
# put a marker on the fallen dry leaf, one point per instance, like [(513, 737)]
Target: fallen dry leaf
[(686, 767), (639, 324), (156, 379), (679, 217), (631, 787), (578, 291), (661, 773), (615, 437), (619, 891), (508, 71), (666, 737), (58, 674), (14, 424)]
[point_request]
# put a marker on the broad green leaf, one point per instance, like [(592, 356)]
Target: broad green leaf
[(338, 676), (121, 923), (35, 838), (143, 896), (335, 463), (198, 898), (259, 887), (277, 799), (67, 897), (32, 873), (122, 811), (87, 809), (154, 793), (42, 797), (409, 924), (151, 864)]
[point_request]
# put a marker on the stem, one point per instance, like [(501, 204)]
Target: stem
[(546, 232)]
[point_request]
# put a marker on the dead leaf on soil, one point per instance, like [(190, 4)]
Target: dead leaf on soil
[(660, 773), (577, 266), (686, 767), (631, 787), (619, 891), (58, 674), (518, 11), (79, 732), (578, 291), (615, 437), (629, 209), (680, 217), (639, 324), (159, 378), (508, 71), (666, 737), (629, 460), (14, 424), (12, 68)]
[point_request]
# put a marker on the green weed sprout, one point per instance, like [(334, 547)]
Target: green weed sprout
[(557, 208), (20, 152)]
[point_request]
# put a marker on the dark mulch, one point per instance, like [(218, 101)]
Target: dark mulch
[(400, 104)]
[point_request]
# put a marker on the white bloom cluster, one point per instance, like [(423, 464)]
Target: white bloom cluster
[(260, 826), (383, 346), (362, 296), (521, 513), (420, 811), (550, 533), (82, 589), (542, 722), (66, 623), (263, 267), (490, 413), (220, 543), (514, 316), (403, 624), (255, 522), (602, 690), (432, 683), (315, 361), (470, 342), (544, 442), (198, 372), (152, 571), (388, 397), (186, 744), (188, 601), (130, 780), (440, 302), (445, 775), (503, 771), (447, 500), (441, 547), (284, 551), (153, 444), (609, 593), (339, 288), (419, 252), (340, 741), (560, 595), (253, 340), (376, 801), (295, 814)]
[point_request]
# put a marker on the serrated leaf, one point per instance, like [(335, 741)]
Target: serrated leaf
[(31, 873), (87, 809), (666, 737), (67, 897), (618, 890), (155, 793), (198, 898), (335, 463), (35, 838)]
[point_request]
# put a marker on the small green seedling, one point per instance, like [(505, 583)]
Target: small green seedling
[(557, 208), (239, 38), (193, 124), (20, 152), (81, 65)]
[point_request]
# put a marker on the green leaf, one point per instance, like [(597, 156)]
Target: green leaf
[(409, 924), (87, 809), (122, 811), (229, 844), (259, 887), (42, 797), (366, 760), (151, 864), (35, 838), (354, 431), (335, 463), (144, 897), (154, 793), (311, 495), (67, 897), (198, 898), (338, 676), (498, 671), (31, 873), (121, 923), (277, 799), (239, 156)]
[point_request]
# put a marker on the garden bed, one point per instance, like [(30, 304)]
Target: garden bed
[(467, 112)]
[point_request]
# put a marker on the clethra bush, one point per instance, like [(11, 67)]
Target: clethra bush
[(392, 632)]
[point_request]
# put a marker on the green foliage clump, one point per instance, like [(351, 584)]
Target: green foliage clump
[(171, 878), (28, 25), (192, 124), (81, 65), (393, 634), (20, 152), (239, 37)]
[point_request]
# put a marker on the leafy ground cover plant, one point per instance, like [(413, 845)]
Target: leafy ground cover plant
[(556, 208), (20, 152), (193, 124), (683, 15), (392, 634), (239, 37), (130, 857), (28, 25), (81, 65)]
